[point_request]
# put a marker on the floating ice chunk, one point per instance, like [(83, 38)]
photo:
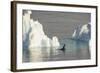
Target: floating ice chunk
[(55, 42)]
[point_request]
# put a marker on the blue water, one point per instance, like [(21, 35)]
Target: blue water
[(74, 50)]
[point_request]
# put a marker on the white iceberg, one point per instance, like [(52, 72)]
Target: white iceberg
[(33, 33), (26, 23), (55, 42), (35, 40), (82, 33), (37, 37), (84, 29)]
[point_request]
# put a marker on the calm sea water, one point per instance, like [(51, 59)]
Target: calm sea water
[(74, 50)]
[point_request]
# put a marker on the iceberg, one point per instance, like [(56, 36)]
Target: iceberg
[(33, 34), (84, 30), (26, 23), (26, 29), (35, 40), (37, 37), (55, 42), (82, 33)]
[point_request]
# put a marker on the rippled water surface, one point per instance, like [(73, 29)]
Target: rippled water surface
[(74, 50)]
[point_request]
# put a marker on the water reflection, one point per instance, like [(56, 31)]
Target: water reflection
[(74, 50)]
